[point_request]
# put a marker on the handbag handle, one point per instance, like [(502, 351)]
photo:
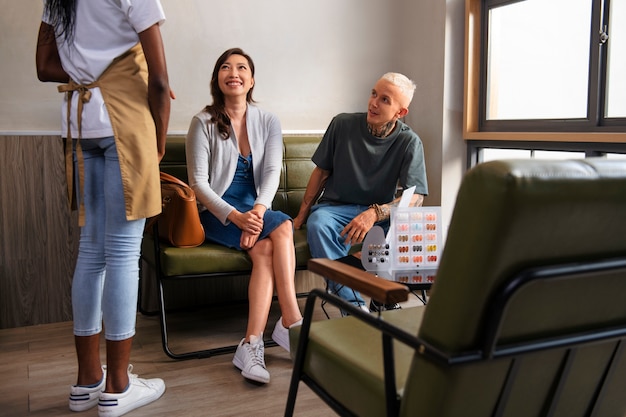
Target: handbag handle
[(165, 177)]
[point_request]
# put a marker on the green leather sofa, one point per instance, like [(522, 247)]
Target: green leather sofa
[(211, 260)]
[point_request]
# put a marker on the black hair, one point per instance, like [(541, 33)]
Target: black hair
[(217, 109), (62, 17)]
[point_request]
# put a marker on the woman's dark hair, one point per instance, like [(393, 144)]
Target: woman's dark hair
[(62, 17), (217, 110)]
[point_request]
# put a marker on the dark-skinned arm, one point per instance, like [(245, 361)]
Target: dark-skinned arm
[(159, 93)]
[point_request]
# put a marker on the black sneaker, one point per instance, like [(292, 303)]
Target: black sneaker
[(375, 307)]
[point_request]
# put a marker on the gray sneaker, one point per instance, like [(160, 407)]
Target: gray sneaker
[(250, 359), (281, 333), (140, 392)]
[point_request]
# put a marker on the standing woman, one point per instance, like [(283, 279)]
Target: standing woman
[(234, 154), (109, 55)]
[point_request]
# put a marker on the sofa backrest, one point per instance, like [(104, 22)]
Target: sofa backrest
[(174, 161), (294, 176), (295, 173)]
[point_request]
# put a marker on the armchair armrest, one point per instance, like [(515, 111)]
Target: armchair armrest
[(380, 289)]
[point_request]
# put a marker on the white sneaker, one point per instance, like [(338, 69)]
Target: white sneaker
[(249, 358), (140, 392), (85, 397), (280, 334)]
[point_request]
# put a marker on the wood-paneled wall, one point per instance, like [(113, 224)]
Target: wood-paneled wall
[(38, 232)]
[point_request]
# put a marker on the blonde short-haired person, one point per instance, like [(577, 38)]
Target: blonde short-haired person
[(361, 160)]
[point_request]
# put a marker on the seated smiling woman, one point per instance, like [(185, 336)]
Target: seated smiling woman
[(234, 156)]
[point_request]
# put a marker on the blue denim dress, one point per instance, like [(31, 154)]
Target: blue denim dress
[(241, 194)]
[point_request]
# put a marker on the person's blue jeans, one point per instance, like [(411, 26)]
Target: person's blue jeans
[(106, 277), (324, 225)]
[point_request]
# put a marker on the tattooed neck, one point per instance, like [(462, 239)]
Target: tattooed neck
[(383, 131)]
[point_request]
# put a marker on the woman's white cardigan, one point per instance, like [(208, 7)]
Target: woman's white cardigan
[(212, 160)]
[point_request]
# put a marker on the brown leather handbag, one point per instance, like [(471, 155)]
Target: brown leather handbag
[(179, 221)]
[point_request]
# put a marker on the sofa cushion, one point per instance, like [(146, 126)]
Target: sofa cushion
[(211, 258)]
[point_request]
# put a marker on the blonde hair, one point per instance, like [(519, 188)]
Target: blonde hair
[(407, 87)]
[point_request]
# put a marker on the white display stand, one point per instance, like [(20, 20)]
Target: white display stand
[(411, 250)]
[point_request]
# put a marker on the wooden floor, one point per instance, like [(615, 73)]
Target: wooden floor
[(37, 366)]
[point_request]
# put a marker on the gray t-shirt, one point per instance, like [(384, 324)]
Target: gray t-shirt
[(365, 169)]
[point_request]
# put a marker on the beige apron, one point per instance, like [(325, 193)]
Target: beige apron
[(124, 87)]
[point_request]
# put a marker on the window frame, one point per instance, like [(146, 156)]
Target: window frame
[(579, 131)]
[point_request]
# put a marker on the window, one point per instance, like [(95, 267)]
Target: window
[(558, 155), (616, 62), (490, 154), (526, 76), (546, 70), (483, 151), (545, 63)]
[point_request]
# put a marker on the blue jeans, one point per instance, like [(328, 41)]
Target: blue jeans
[(324, 226), (106, 277)]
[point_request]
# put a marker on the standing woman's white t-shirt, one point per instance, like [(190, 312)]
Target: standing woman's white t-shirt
[(104, 30)]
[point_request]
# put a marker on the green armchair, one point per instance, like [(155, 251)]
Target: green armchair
[(527, 315)]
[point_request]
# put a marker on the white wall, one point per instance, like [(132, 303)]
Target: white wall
[(431, 48), (453, 149), (314, 59), (26, 105)]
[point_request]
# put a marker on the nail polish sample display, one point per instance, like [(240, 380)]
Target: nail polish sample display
[(415, 237), (410, 251)]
